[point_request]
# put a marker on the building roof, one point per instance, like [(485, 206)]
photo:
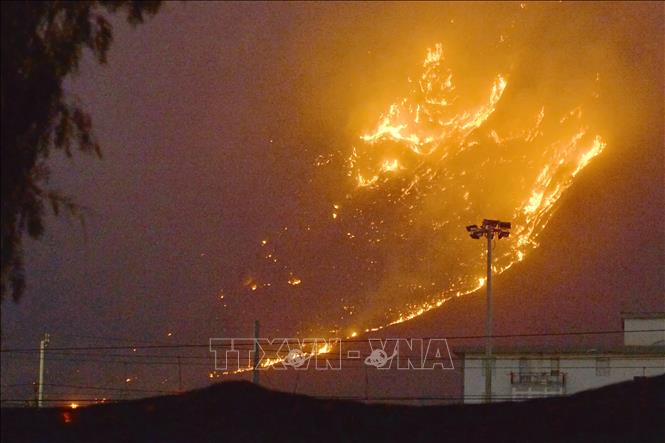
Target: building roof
[(641, 315), (658, 351)]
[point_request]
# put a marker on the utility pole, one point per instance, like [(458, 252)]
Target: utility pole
[(179, 375), (488, 229), (366, 384), (488, 325), (255, 371), (40, 384), (125, 380)]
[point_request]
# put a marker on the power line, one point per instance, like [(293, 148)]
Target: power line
[(358, 398), (108, 338), (97, 388), (334, 357), (334, 341)]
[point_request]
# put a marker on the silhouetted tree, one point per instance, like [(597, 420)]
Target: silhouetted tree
[(42, 43)]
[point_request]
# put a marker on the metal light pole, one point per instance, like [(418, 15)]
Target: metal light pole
[(40, 384), (488, 229)]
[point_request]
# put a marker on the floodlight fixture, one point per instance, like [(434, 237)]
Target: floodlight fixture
[(488, 222)]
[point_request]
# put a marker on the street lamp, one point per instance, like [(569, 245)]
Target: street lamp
[(488, 229)]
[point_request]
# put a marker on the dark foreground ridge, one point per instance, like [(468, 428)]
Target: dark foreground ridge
[(242, 412)]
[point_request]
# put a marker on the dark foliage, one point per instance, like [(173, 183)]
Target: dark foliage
[(42, 43)]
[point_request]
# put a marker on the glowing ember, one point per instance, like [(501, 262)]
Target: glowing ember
[(294, 281)]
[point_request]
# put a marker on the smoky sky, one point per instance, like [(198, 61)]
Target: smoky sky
[(212, 115)]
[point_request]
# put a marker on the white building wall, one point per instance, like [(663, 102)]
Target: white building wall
[(580, 372), (654, 336)]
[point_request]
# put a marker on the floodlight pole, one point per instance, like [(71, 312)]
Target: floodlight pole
[(488, 325), (489, 229)]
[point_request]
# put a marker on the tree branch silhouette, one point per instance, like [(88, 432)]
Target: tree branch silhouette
[(42, 44)]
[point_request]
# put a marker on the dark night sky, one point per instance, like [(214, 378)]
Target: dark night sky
[(211, 114)]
